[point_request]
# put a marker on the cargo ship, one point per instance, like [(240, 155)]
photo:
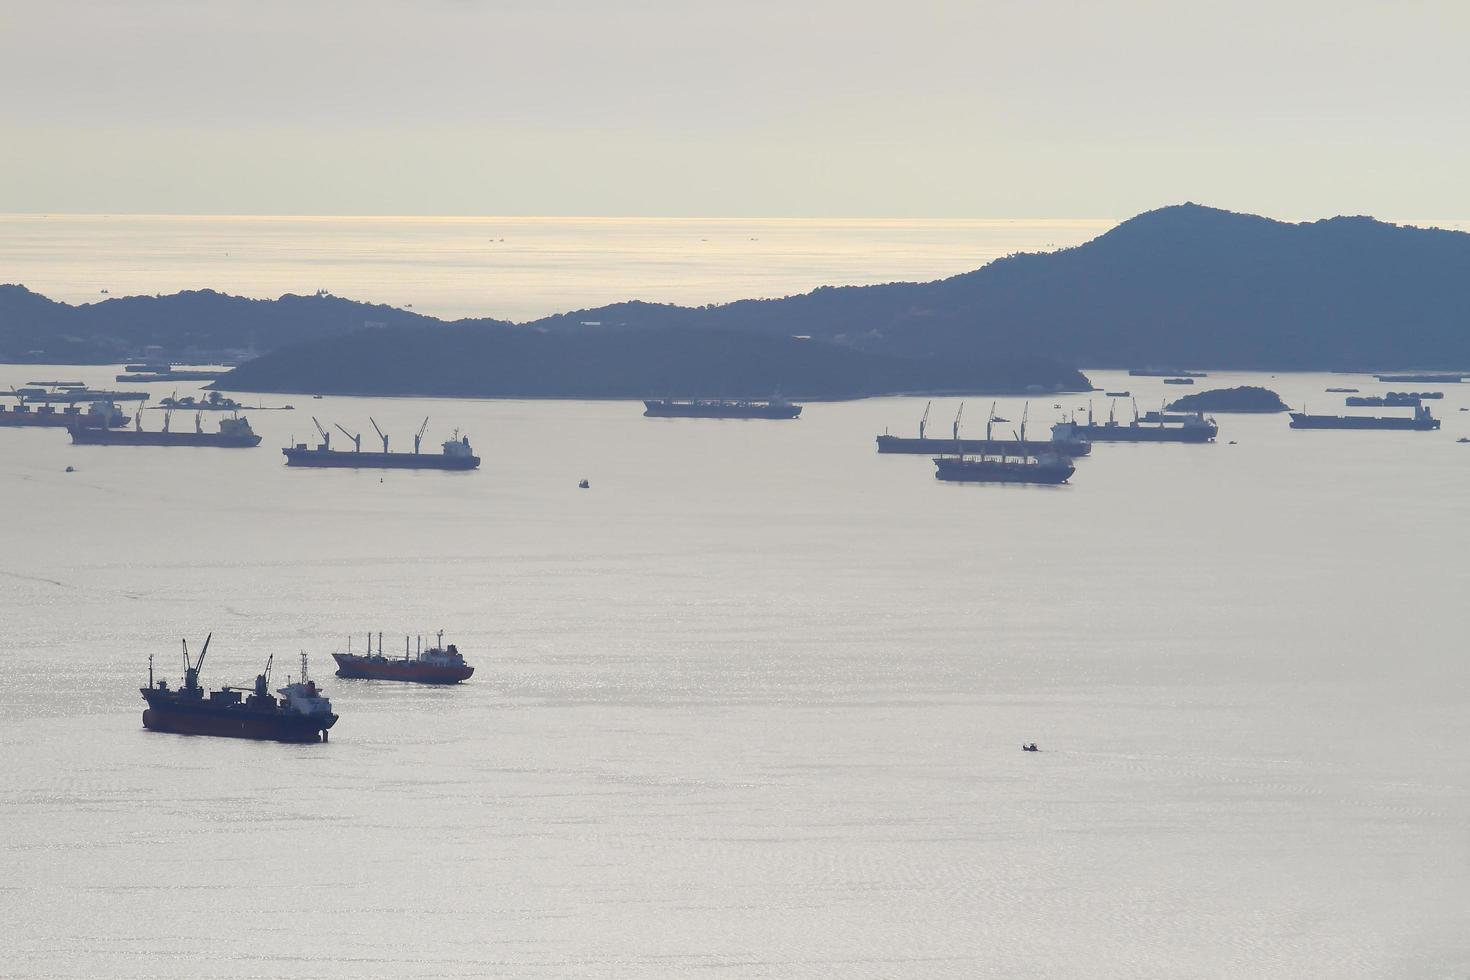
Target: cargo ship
[(1421, 379), (69, 394), (1164, 373), (233, 434), (97, 416), (959, 468), (719, 408), (301, 714), (1065, 440), (437, 665), (455, 454), (1394, 399), (1192, 427), (1421, 421)]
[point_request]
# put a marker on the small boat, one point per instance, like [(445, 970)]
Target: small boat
[(584, 485), (1030, 747)]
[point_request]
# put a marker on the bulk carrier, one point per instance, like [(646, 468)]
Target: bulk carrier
[(456, 453), (232, 434), (99, 415), (302, 714), (1191, 427), (437, 665), (1065, 440)]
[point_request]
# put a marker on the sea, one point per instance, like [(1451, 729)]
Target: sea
[(752, 704)]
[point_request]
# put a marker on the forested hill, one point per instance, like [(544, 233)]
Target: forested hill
[(188, 325), (1183, 285), (504, 361)]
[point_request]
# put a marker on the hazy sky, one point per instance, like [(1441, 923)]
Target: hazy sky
[(1079, 108)]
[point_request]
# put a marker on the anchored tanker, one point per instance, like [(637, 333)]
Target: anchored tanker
[(719, 408), (456, 453), (1066, 440), (1018, 469), (1421, 421)]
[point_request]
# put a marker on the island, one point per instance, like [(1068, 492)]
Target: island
[(1247, 398)]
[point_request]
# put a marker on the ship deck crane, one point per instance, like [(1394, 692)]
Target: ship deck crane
[(326, 436), (356, 439), (420, 437), (925, 420), (380, 434)]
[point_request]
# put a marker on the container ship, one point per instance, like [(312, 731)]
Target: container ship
[(98, 415), (437, 665), (1065, 440), (301, 714), (233, 434), (1421, 421), (719, 408), (1192, 427), (455, 454)]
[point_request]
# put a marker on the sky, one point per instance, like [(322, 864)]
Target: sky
[(745, 108)]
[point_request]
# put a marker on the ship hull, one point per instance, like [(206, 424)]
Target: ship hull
[(236, 723), (1145, 433), (377, 461), (676, 410), (132, 437), (383, 669), (54, 420), (999, 471), (1300, 421), (1031, 447)]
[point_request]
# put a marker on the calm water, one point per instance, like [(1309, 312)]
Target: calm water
[(749, 707), (514, 268)]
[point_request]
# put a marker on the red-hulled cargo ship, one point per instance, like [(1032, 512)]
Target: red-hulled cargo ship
[(437, 665)]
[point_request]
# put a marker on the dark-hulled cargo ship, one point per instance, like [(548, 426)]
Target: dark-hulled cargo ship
[(97, 416), (719, 408), (455, 453), (1065, 440), (301, 714), (1421, 421), (232, 434), (1193, 427), (1051, 470), (437, 665)]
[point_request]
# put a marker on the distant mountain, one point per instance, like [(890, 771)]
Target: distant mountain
[(200, 323), (1184, 285), (506, 361)]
